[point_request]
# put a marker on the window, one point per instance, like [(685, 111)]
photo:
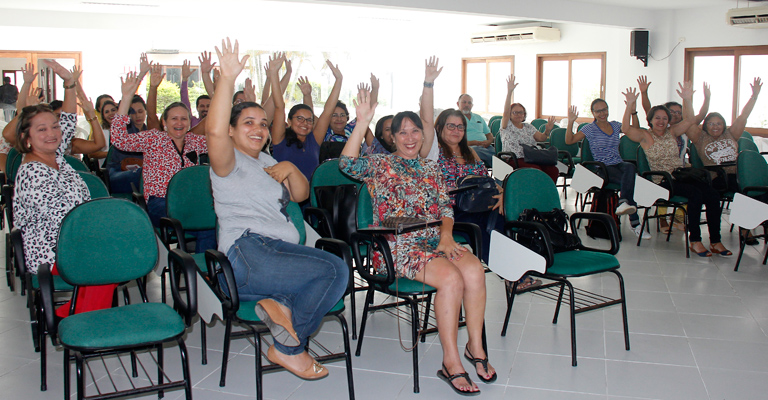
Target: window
[(569, 79), (485, 80), (730, 72)]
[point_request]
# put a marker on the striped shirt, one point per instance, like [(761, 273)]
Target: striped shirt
[(605, 148)]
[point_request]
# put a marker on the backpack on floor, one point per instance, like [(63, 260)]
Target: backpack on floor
[(604, 201)]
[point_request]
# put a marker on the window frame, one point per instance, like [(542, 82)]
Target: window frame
[(541, 58), (692, 52), (488, 83)]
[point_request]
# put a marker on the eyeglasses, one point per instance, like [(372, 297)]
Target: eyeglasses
[(453, 127), (518, 112), (302, 120), (675, 112), (600, 111), (713, 124), (342, 115)]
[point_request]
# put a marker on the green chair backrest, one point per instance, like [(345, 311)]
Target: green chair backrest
[(89, 254), (294, 211), (495, 125), (538, 122), (494, 118), (746, 143), (751, 170), (12, 164), (628, 149), (497, 143), (542, 128), (76, 164), (747, 135), (190, 200), (642, 161), (529, 188), (95, 185), (365, 208), (581, 125), (586, 153), (693, 156), (557, 139), (328, 174)]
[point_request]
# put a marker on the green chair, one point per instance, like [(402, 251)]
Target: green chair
[(581, 125), (529, 189), (599, 168), (507, 156), (95, 185), (538, 123), (495, 124), (747, 135), (12, 164), (243, 312), (693, 156), (543, 127), (752, 175), (76, 164), (747, 144), (628, 149), (567, 154), (127, 251), (494, 118)]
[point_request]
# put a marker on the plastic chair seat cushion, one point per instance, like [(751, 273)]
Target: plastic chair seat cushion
[(576, 160), (678, 199), (200, 261), (247, 311), (58, 283), (582, 262), (405, 286), (120, 327), (612, 186)]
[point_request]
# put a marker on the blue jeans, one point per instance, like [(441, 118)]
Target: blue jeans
[(120, 181), (624, 174), (308, 281), (204, 240), (485, 153)]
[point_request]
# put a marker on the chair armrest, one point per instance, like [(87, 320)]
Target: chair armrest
[(17, 241), (364, 265), (179, 262), (340, 249), (170, 227), (509, 156), (604, 219), (512, 228), (218, 265), (45, 280), (598, 168), (321, 220), (474, 233), (139, 199), (103, 173)]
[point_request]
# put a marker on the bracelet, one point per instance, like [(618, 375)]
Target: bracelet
[(94, 118), (429, 84), (72, 86), (634, 113)]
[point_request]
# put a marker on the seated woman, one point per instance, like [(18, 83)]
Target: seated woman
[(661, 149), (108, 111), (603, 138), (47, 187), (405, 184), (295, 285), (382, 141), (515, 133), (297, 141), (165, 153)]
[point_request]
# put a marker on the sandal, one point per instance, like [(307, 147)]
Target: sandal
[(528, 283), (483, 361), (704, 253), (313, 372), (443, 374), (723, 252), (280, 326)]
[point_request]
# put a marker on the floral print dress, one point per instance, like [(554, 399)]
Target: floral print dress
[(404, 188)]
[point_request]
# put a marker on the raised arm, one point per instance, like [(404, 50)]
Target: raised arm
[(287, 77), (278, 124), (364, 110), (205, 70), (186, 72), (740, 123), (363, 87), (544, 136), (570, 137), (82, 146), (685, 92), (427, 107), (144, 66), (221, 150), (29, 73), (642, 83), (374, 99), (511, 85), (156, 77), (704, 110), (70, 81), (321, 126), (306, 92), (634, 133)]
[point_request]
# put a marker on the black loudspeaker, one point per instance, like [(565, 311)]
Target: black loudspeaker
[(638, 44)]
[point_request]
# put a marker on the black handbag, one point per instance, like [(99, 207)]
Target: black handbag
[(474, 193), (691, 175), (537, 155), (556, 223)]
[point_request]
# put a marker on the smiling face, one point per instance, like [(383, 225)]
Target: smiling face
[(659, 122), (518, 114), (177, 122), (108, 112), (453, 131), (44, 134), (677, 114), (600, 111), (139, 114), (408, 139), (202, 107), (251, 131), (386, 132), (715, 125), (301, 122), (339, 120)]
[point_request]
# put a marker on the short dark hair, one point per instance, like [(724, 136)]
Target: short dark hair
[(397, 121), (340, 104), (653, 110), (595, 101), (466, 152), (25, 121), (234, 96), (56, 104), (669, 104), (6, 79), (237, 109), (138, 99), (202, 97), (379, 133)]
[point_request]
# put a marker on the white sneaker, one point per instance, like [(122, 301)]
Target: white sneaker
[(625, 208), (642, 233)]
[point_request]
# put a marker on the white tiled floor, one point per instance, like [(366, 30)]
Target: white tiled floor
[(697, 331)]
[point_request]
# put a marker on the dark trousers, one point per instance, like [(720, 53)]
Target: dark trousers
[(624, 175), (699, 193)]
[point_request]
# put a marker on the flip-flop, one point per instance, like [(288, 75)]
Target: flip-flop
[(528, 283), (482, 361), (443, 374)]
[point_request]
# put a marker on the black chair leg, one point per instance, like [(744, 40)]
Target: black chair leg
[(66, 374), (43, 359), (742, 244), (79, 361), (572, 304), (510, 301), (623, 308), (559, 302), (642, 226), (203, 342), (185, 369), (160, 358), (415, 342), (368, 300), (225, 355), (347, 356), (259, 368), (426, 315)]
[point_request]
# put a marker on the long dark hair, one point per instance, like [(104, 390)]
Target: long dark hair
[(379, 133), (466, 152), (290, 135), (104, 123)]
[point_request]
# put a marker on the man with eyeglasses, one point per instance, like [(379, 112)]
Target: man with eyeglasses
[(479, 136)]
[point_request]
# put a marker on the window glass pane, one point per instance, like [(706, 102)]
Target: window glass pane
[(497, 91), (750, 67), (476, 85), (585, 85), (717, 71), (554, 88)]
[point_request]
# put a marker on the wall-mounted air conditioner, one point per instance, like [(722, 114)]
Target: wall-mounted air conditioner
[(751, 17), (518, 35)]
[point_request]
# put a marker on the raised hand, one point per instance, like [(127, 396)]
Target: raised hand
[(573, 113), (216, 77), (511, 85), (75, 73), (305, 86), (186, 70), (62, 72), (29, 72), (374, 82), (364, 109), (156, 75), (230, 65), (707, 92), (431, 70), (250, 90), (129, 85), (144, 64), (334, 69), (630, 95), (205, 62), (275, 62), (642, 83), (756, 86), (84, 102), (36, 97), (288, 66), (363, 87), (550, 123), (685, 90)]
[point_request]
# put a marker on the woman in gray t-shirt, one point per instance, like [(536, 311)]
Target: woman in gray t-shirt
[(295, 285)]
